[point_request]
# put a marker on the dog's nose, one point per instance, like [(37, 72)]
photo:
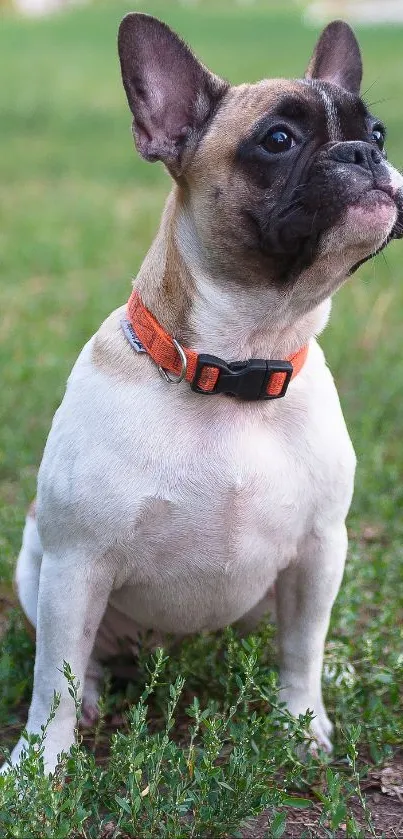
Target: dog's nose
[(356, 152)]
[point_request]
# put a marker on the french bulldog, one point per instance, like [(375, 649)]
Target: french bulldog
[(200, 455)]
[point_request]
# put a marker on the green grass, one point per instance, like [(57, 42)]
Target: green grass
[(78, 211)]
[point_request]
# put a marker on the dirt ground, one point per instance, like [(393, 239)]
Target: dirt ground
[(386, 811)]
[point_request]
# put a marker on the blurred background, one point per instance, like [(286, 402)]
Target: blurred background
[(79, 210)]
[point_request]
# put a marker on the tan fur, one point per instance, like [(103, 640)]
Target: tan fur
[(215, 189), (164, 281), (241, 108), (170, 301), (112, 353)]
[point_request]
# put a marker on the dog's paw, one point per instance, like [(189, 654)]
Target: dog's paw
[(326, 724), (320, 729), (4, 768), (91, 694), (14, 757), (89, 714), (18, 753), (50, 756)]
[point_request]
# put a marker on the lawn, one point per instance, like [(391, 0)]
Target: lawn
[(78, 211)]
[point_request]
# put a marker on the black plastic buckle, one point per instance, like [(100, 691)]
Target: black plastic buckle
[(244, 379)]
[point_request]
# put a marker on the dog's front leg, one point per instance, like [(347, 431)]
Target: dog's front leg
[(73, 595), (305, 593)]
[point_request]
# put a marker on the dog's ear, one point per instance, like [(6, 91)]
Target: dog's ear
[(170, 93), (337, 58)]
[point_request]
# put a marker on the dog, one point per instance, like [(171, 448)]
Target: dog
[(200, 455)]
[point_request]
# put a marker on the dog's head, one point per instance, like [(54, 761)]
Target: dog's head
[(280, 182)]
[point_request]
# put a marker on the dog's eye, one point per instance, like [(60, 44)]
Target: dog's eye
[(278, 140), (378, 137)]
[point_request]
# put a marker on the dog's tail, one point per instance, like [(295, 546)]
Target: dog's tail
[(28, 568)]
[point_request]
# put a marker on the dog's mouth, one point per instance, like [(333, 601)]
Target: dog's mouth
[(372, 215), (380, 209), (368, 219)]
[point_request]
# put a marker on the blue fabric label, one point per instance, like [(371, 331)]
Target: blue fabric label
[(131, 336)]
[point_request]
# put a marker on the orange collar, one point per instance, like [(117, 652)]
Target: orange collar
[(250, 380)]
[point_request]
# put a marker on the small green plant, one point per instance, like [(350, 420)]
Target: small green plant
[(241, 755), (154, 785)]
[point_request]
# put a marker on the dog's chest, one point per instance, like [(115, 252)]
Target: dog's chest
[(195, 502), (208, 542)]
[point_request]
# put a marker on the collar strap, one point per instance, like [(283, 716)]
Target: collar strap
[(207, 374)]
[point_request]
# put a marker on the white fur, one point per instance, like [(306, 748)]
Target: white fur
[(162, 509), (183, 510), (28, 569), (332, 116)]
